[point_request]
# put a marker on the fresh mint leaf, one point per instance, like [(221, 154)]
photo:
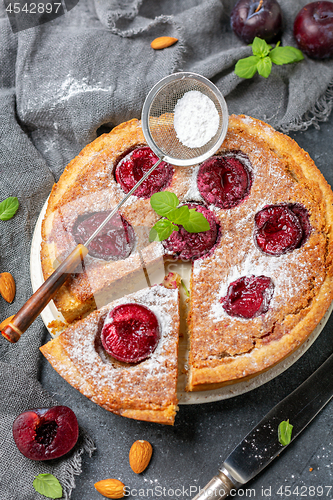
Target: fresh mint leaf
[(153, 235), (162, 230), (8, 208), (179, 215), (164, 202), (264, 66), (284, 432), (187, 293), (260, 47), (298, 53), (247, 67), (285, 55), (197, 222), (47, 485)]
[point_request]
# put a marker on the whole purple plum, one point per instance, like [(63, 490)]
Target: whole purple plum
[(313, 30), (261, 18)]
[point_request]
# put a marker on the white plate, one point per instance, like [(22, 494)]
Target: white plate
[(50, 313)]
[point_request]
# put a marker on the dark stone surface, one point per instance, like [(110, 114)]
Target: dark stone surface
[(188, 454)]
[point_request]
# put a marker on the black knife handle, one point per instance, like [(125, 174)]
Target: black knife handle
[(218, 488)]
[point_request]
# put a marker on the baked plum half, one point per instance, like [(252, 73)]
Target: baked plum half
[(135, 164), (261, 18), (192, 246), (115, 241), (225, 181), (130, 333), (281, 228), (248, 296), (46, 433)]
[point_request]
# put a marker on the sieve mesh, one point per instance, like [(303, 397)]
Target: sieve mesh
[(157, 118)]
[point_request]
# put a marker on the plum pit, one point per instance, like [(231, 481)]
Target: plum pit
[(46, 432)]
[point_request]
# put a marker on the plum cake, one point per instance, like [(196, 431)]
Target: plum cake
[(261, 276)]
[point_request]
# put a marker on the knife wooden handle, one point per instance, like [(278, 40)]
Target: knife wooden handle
[(34, 306), (218, 488)]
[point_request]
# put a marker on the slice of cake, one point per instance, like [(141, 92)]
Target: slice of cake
[(124, 356)]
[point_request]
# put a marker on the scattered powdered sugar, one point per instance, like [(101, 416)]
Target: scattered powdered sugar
[(196, 119), (257, 264)]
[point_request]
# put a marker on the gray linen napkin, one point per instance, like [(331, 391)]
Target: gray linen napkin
[(65, 81)]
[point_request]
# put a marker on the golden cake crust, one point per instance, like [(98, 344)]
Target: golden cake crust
[(144, 391)]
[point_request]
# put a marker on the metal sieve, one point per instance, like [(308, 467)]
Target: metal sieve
[(157, 118), (159, 132)]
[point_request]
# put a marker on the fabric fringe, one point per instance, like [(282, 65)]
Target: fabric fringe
[(319, 112), (74, 466)]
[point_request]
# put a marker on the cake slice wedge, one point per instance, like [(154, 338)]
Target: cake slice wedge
[(144, 390)]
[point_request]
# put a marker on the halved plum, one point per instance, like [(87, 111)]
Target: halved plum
[(281, 228), (248, 296), (130, 333), (225, 181), (115, 241), (134, 165), (192, 246), (46, 433)]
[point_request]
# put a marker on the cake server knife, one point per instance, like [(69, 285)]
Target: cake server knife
[(261, 445)]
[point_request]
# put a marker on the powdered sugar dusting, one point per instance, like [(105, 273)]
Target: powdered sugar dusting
[(193, 193), (277, 268), (196, 119)]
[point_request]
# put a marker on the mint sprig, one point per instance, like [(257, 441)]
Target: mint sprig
[(8, 208), (264, 56), (166, 205), (47, 485), (284, 432)]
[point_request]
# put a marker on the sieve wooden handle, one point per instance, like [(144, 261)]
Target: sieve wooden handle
[(34, 306)]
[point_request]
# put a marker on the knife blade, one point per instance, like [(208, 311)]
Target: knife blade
[(261, 445)]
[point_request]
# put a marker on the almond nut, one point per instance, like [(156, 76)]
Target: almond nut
[(110, 488), (163, 42), (140, 455), (5, 322), (7, 287)]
